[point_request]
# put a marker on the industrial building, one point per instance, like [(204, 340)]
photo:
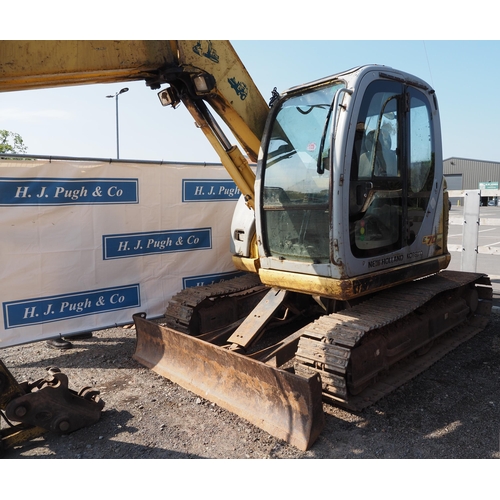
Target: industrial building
[(464, 173)]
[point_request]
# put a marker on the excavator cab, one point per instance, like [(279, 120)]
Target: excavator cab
[(350, 183)]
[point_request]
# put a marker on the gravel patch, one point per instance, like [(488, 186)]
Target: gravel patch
[(450, 411)]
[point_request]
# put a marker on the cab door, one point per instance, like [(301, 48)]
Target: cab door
[(391, 173)]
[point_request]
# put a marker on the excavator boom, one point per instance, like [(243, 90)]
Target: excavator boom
[(29, 64)]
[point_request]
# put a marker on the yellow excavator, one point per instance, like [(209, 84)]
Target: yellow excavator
[(341, 234)]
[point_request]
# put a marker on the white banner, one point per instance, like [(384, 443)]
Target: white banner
[(85, 245)]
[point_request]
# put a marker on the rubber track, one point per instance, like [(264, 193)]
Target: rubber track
[(326, 344), (183, 305)]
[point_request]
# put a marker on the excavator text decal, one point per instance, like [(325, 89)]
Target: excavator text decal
[(394, 259), (239, 87), (209, 53), (385, 261), (429, 240)]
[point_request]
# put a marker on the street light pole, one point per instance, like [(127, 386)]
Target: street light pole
[(117, 132)]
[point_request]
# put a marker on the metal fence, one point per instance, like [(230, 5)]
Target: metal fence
[(471, 222)]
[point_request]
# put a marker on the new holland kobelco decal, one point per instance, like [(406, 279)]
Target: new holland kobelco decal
[(415, 255), (385, 261)]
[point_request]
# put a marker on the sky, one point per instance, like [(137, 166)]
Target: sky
[(80, 121)]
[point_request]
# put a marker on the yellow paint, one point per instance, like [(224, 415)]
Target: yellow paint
[(350, 288)]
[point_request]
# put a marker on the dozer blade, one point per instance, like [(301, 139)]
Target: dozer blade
[(283, 404)]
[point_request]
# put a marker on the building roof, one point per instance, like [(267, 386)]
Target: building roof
[(471, 159)]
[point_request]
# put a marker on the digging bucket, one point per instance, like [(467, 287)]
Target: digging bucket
[(285, 405)]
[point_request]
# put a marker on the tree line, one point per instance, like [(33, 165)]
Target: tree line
[(12, 143)]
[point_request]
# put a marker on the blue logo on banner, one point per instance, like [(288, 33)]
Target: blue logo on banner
[(54, 191), (71, 305), (118, 246), (209, 190), (209, 279)]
